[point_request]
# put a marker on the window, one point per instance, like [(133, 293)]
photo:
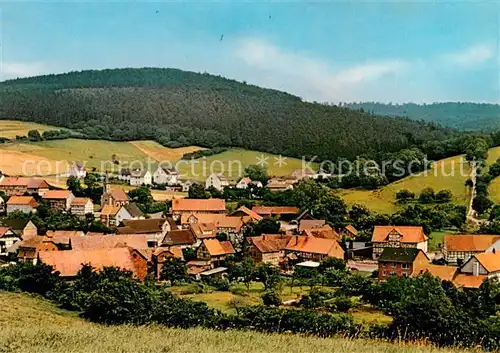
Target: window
[(393, 264), (405, 266)]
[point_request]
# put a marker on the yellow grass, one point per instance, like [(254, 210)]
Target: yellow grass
[(12, 128), (439, 177), (20, 163), (161, 153), (36, 326)]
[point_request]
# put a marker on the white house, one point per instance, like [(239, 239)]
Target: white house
[(80, 206), (164, 175), (244, 183), (7, 239), (77, 170), (140, 177), (217, 181), (187, 185), (25, 204)]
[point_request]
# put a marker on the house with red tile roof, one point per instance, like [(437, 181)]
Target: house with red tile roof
[(460, 248), (398, 236), (214, 251), (196, 206), (134, 241), (59, 199), (314, 249), (276, 211), (69, 262), (155, 228), (117, 197), (267, 248), (25, 204), (18, 186), (81, 206), (183, 238)]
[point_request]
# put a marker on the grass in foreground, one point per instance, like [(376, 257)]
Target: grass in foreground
[(34, 325)]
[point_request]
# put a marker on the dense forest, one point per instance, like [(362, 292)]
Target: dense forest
[(177, 108), (463, 116)]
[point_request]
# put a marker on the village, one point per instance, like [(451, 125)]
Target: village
[(204, 234)]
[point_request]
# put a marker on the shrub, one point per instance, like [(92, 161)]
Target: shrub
[(271, 298)]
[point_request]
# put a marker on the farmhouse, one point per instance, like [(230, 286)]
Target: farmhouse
[(25, 204), (25, 229), (268, 248), (111, 216), (140, 177), (478, 268), (61, 238), (196, 206), (14, 186), (203, 230), (77, 170), (214, 251), (325, 232), (217, 181), (459, 248), (81, 206), (59, 199), (7, 239), (114, 197), (349, 232), (396, 237), (244, 183), (68, 263), (311, 224), (282, 212), (244, 212), (165, 175), (400, 262), (28, 249), (314, 249), (156, 229), (276, 184), (183, 238)]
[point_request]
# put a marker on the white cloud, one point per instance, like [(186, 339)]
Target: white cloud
[(309, 77), (471, 56), (11, 70)]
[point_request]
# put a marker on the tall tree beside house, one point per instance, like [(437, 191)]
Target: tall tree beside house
[(197, 191)]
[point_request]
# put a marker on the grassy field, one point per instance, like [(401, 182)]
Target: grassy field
[(495, 184), (12, 128), (436, 239), (232, 162), (438, 178), (33, 325)]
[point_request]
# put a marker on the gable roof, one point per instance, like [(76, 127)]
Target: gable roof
[(489, 260), (135, 241), (110, 210), (57, 194), (16, 225), (221, 220), (80, 201), (313, 245), (30, 183), (69, 262), (408, 234), (4, 232), (351, 229), (468, 281), (179, 237), (445, 273), (141, 226), (119, 195), (469, 242), (245, 210), (134, 210), (203, 230), (22, 200), (269, 243), (311, 223), (277, 210), (217, 248), (399, 255), (325, 232), (198, 205)]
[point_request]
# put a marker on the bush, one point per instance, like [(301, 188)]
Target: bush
[(271, 298), (444, 196), (404, 195), (427, 195)]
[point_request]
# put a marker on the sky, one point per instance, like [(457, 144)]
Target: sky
[(326, 51)]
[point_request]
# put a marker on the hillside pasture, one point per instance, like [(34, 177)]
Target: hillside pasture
[(448, 173), (31, 324), (161, 153), (12, 128)]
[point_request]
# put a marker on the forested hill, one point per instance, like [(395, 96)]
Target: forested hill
[(175, 108), (463, 116)]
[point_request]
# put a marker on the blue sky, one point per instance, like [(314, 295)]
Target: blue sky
[(323, 51)]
